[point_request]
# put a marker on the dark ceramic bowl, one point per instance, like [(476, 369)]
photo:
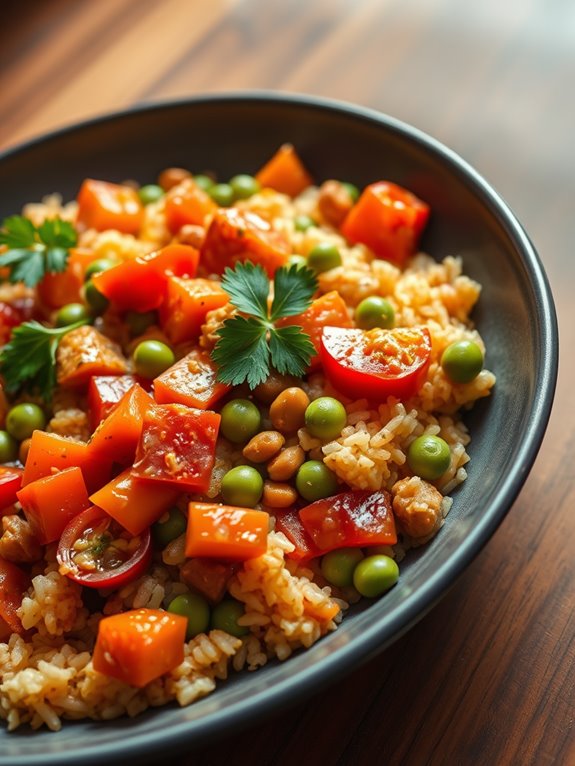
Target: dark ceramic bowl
[(515, 315)]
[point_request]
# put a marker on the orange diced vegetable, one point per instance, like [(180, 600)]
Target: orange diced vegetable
[(285, 172), (85, 352), (187, 204), (104, 392), (323, 612), (234, 236), (226, 532), (135, 504), (117, 436), (191, 381), (139, 646), (187, 302), (103, 205), (51, 502)]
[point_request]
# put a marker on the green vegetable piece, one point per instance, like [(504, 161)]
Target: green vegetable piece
[(303, 222), (168, 527), (375, 312), (242, 485), (375, 575), (429, 456), (152, 357), (97, 266), (241, 419), (325, 418), (203, 181), (462, 361), (150, 193), (23, 419), (352, 190), (244, 186), (225, 616), (338, 566), (138, 322), (72, 313), (8, 447), (94, 298), (222, 194), (324, 257), (195, 609), (314, 480), (297, 260)]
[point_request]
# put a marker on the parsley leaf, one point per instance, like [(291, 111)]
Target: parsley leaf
[(34, 251), (249, 345), (29, 358)]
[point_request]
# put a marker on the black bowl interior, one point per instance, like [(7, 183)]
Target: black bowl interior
[(237, 133)]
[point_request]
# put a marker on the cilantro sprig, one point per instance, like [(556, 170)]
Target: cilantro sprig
[(251, 342), (35, 250), (28, 360)]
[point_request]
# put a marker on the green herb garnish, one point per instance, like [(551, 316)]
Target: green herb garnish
[(35, 250), (249, 344), (28, 360)]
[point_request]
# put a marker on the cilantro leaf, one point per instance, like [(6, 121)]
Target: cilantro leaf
[(17, 232), (56, 259), (291, 350), (28, 268), (248, 287), (55, 232), (243, 341), (294, 289)]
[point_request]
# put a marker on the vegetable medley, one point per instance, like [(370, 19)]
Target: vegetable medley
[(199, 375)]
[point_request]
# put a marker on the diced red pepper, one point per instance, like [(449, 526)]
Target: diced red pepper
[(104, 392), (191, 381), (289, 523), (10, 483), (13, 584)]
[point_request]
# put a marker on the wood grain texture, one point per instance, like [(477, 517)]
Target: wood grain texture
[(488, 677)]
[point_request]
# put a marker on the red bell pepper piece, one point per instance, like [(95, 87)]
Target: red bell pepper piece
[(187, 302), (191, 381), (10, 483), (289, 523), (104, 392), (13, 583)]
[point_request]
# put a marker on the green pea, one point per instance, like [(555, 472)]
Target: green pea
[(8, 447), (95, 299), (303, 222), (241, 420), (375, 312), (152, 357), (338, 566), (462, 361), (352, 190), (171, 525), (244, 186), (325, 417), (203, 181), (138, 322), (429, 456), (324, 257), (71, 313), (97, 266), (150, 193), (242, 485), (225, 617), (23, 419), (297, 260), (196, 610), (222, 194), (374, 575), (314, 480)]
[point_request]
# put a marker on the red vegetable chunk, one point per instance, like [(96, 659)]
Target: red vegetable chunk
[(10, 483), (13, 584), (192, 380), (117, 437), (105, 391), (290, 524)]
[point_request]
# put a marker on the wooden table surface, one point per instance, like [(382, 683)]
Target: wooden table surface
[(488, 677)]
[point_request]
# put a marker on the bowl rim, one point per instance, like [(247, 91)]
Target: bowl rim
[(376, 637)]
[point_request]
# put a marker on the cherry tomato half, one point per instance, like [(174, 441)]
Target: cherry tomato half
[(376, 363), (97, 552)]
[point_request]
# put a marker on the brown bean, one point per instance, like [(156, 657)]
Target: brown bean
[(263, 446), (272, 386), (171, 177), (277, 495), (287, 411), (283, 466)]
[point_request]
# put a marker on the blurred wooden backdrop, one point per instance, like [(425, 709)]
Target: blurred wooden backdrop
[(488, 677)]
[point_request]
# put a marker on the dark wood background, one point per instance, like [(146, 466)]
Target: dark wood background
[(488, 677)]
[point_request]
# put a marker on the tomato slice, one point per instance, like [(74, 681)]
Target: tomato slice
[(350, 519), (10, 483), (289, 523), (376, 363), (13, 582), (10, 317), (97, 552)]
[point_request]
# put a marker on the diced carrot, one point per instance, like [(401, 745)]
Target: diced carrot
[(285, 172), (186, 204), (85, 352), (117, 436), (327, 310), (191, 381), (135, 504), (104, 392), (51, 502), (208, 576), (103, 205), (226, 532), (186, 304), (234, 236), (323, 612), (49, 453), (138, 646)]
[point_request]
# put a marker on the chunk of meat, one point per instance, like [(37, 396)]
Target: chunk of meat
[(417, 506), (18, 543), (85, 352), (208, 576), (214, 321), (334, 202)]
